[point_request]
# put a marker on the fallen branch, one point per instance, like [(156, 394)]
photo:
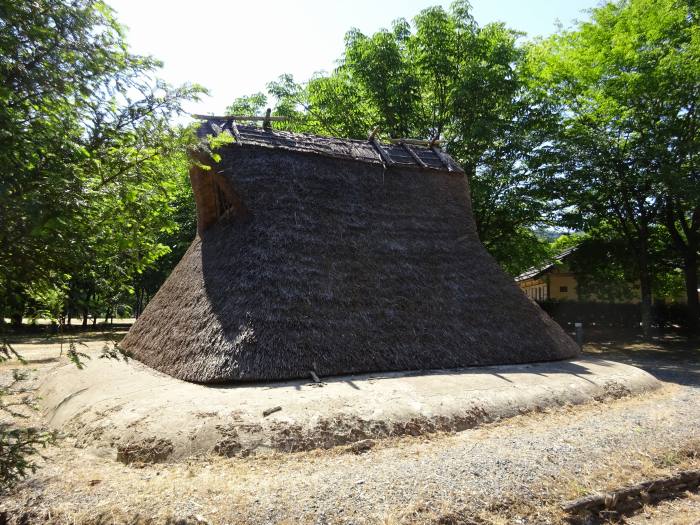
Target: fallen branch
[(271, 411), (634, 497)]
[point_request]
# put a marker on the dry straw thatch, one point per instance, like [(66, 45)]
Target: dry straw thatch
[(338, 257)]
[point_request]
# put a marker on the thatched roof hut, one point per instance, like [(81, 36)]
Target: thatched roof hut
[(339, 257)]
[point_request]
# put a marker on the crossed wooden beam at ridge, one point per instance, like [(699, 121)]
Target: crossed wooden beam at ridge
[(268, 118), (433, 144)]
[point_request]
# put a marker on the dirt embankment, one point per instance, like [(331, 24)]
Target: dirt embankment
[(518, 470)]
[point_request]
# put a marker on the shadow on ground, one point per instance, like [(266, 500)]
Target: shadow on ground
[(672, 358), (115, 334)]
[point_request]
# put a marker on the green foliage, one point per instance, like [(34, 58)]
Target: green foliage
[(18, 444), (625, 87), (440, 76), (91, 161), (18, 447), (604, 267), (92, 167), (248, 105), (213, 143), (111, 350), (74, 355)]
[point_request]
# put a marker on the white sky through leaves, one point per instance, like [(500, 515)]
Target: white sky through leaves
[(234, 48)]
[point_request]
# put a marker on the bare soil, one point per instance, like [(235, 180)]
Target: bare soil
[(518, 470)]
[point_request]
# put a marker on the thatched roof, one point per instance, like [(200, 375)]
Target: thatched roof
[(317, 254), (403, 155)]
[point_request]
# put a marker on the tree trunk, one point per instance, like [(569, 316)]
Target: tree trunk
[(690, 271), (15, 307), (687, 245), (16, 321), (645, 284), (646, 306), (139, 302), (85, 317)]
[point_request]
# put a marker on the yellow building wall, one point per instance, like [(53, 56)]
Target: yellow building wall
[(562, 286), (559, 284)]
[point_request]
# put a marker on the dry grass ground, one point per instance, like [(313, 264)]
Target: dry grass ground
[(515, 471)]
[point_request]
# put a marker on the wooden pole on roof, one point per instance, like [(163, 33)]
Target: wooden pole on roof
[(416, 142), (443, 159), (256, 118), (385, 158), (236, 133), (413, 154), (382, 154)]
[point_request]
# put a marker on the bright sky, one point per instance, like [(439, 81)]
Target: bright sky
[(235, 47)]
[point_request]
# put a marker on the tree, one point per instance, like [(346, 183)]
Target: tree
[(441, 76), (84, 141), (127, 220), (616, 154), (91, 168), (671, 56), (177, 239)]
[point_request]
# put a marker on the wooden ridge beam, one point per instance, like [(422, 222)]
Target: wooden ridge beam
[(416, 142), (241, 117)]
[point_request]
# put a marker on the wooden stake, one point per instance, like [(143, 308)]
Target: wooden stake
[(271, 411)]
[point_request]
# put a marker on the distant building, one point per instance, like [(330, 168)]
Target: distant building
[(553, 280), (556, 281)]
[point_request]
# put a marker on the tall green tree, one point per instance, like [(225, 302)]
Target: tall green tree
[(441, 76), (91, 169), (85, 143), (625, 85)]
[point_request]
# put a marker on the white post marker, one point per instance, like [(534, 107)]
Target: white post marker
[(579, 334)]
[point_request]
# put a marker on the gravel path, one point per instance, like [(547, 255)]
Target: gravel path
[(516, 471), (531, 458)]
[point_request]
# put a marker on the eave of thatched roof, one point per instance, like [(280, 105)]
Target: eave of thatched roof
[(401, 155)]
